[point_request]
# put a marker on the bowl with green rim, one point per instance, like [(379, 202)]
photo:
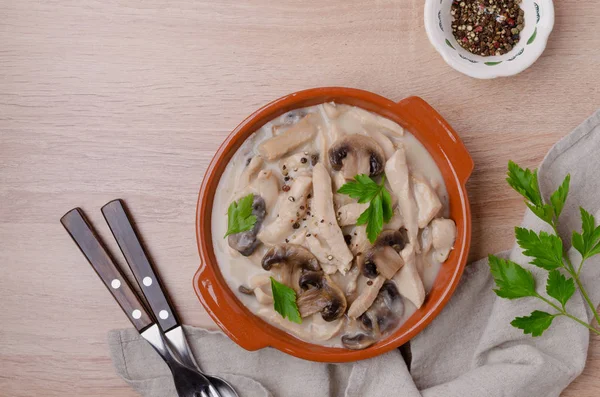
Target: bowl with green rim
[(538, 24)]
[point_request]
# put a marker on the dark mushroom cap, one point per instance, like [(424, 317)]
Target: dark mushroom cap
[(385, 312), (246, 242), (358, 341), (384, 256), (320, 294), (292, 255), (357, 154)]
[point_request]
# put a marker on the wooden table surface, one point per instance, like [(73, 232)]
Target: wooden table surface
[(128, 98)]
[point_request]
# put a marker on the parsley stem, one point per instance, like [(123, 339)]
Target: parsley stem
[(575, 274), (564, 313), (580, 267), (571, 270)]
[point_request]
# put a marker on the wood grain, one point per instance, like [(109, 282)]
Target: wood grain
[(102, 99)]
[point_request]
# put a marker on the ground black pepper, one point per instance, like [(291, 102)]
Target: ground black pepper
[(487, 27)]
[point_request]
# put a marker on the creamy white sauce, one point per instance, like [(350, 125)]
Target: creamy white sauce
[(238, 270)]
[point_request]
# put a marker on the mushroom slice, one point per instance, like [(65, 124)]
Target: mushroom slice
[(408, 280), (291, 139), (384, 257), (428, 203), (385, 312), (320, 294), (246, 242), (396, 170), (348, 214), (443, 232), (357, 341), (357, 154), (327, 232), (249, 172), (266, 185), (366, 297), (291, 255), (292, 208)]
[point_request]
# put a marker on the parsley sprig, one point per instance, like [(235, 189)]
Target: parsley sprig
[(239, 215), (284, 301), (547, 252), (365, 190)]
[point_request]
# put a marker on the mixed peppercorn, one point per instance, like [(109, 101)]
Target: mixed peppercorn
[(487, 27)]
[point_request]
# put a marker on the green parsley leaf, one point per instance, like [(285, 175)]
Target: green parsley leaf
[(545, 249), (239, 215), (365, 190), (587, 242), (535, 324), (284, 301), (544, 212), (387, 206), (525, 183), (559, 287), (512, 280), (559, 197)]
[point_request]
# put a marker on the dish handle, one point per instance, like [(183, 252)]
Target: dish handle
[(239, 326), (419, 115)]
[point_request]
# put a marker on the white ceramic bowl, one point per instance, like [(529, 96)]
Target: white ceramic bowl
[(539, 21)]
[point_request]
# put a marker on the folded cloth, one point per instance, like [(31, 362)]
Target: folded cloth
[(470, 349)]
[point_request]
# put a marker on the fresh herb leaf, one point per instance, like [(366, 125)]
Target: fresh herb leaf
[(525, 182), (239, 215), (512, 280), (559, 197), (387, 206), (544, 212), (559, 287), (365, 190), (535, 324), (587, 242), (545, 249), (284, 301)]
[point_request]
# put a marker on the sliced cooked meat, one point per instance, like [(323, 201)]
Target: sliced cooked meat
[(384, 142), (331, 248), (366, 297), (408, 280), (266, 185), (428, 202), (249, 172), (443, 232), (291, 208), (349, 213), (294, 137), (396, 170)]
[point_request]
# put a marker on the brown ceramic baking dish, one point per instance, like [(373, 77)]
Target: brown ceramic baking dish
[(413, 114)]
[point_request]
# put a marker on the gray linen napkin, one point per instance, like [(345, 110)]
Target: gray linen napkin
[(470, 349)]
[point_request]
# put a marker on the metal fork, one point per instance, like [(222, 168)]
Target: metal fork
[(119, 221), (189, 382)]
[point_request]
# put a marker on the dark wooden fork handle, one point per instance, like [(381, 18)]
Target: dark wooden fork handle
[(120, 224), (92, 248)]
